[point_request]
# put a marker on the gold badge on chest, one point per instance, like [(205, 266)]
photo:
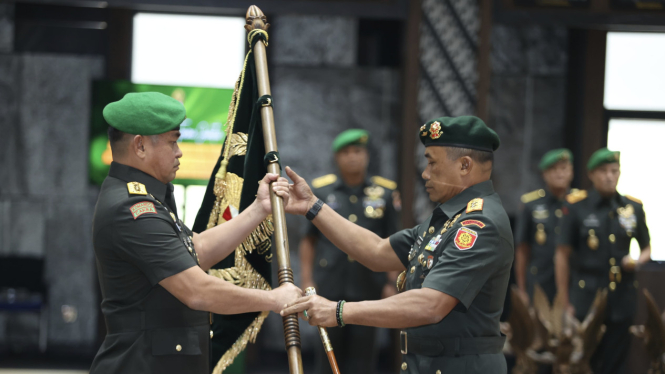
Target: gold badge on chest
[(627, 219), (373, 202), (592, 241), (541, 235)]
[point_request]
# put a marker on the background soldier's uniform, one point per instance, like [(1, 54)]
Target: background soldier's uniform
[(599, 232), (138, 242), (339, 277), (538, 226), (464, 250)]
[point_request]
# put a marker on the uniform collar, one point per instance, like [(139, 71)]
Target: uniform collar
[(129, 174), (459, 201), (339, 183), (595, 199)]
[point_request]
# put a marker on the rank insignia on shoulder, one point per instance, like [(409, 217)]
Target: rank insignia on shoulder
[(633, 199), (136, 188), (474, 205), (384, 182), (142, 208), (576, 196), (532, 196), (465, 238), (324, 181), (173, 216), (472, 222)]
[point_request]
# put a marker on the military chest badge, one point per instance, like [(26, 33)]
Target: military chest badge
[(627, 218), (465, 238), (592, 241), (541, 235), (331, 200), (435, 130), (430, 262), (540, 213), (401, 281), (433, 243), (136, 188), (373, 202), (141, 208)]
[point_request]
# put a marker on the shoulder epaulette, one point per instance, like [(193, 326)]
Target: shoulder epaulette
[(576, 196), (532, 196), (324, 180), (634, 199), (383, 182), (136, 188)]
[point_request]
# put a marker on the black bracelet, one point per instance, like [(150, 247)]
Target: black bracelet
[(339, 314), (311, 214)]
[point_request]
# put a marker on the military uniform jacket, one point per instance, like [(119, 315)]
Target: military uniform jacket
[(139, 241), (369, 205), (538, 226), (465, 249), (599, 231)]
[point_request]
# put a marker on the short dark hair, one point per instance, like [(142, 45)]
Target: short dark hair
[(480, 157), (115, 136)]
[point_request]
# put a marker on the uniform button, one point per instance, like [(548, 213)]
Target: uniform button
[(612, 238), (178, 348), (582, 283), (613, 286), (353, 218), (350, 259), (211, 334), (534, 270), (438, 372), (613, 261), (431, 230), (558, 213), (404, 366), (353, 199), (413, 268), (323, 263)]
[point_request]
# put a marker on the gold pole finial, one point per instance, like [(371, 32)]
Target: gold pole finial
[(255, 19)]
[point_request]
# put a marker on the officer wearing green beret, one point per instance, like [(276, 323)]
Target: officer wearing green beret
[(368, 202), (593, 253), (456, 264), (538, 225), (156, 294)]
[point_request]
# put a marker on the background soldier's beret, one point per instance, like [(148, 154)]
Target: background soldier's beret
[(552, 157), (601, 157), (145, 113), (350, 137), (462, 132)]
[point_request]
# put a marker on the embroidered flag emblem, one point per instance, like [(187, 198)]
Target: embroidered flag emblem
[(142, 208), (465, 238), (472, 222)]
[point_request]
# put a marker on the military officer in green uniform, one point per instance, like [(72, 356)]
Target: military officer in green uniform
[(157, 297), (456, 264), (538, 225), (593, 253), (368, 202)]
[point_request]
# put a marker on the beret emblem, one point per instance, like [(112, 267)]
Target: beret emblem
[(435, 130)]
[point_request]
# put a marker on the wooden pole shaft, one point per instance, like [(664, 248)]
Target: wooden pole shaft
[(256, 19)]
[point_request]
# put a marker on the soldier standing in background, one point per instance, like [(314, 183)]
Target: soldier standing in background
[(538, 225), (593, 253), (369, 202)]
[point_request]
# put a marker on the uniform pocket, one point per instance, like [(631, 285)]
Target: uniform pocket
[(175, 341)]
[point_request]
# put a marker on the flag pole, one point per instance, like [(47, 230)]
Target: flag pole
[(257, 20)]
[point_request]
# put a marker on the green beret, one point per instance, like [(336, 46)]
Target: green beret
[(462, 132), (552, 157), (145, 113), (601, 157), (350, 137)]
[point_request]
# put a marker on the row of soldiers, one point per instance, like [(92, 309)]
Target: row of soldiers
[(574, 242), (587, 234)]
